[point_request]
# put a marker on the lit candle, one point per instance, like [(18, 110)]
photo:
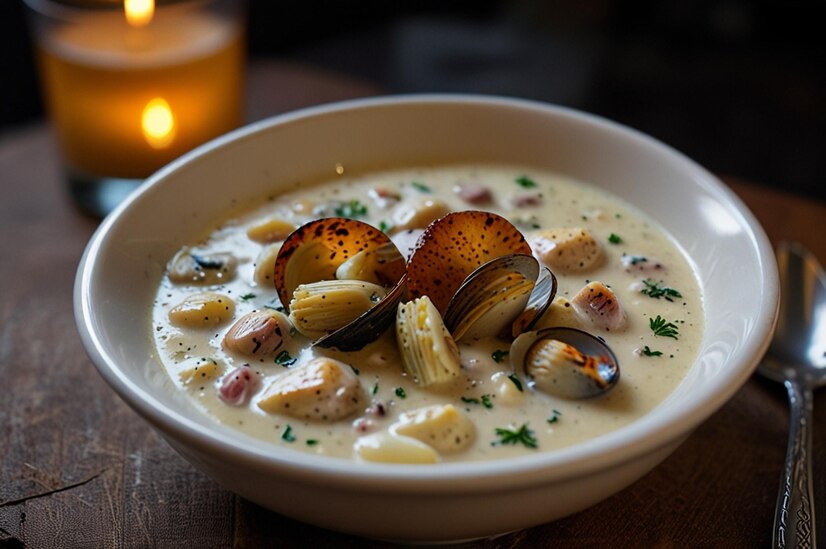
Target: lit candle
[(130, 90)]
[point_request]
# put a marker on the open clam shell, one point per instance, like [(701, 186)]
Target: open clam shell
[(317, 250), (565, 362), (453, 247), (491, 297), (542, 295)]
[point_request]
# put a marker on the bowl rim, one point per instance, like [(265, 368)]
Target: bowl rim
[(642, 436)]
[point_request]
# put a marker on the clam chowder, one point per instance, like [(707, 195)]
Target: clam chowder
[(404, 316)]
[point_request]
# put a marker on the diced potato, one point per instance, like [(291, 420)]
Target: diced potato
[(443, 427), (202, 310), (388, 448), (323, 389), (507, 393), (203, 370), (272, 230), (567, 249), (560, 313), (265, 265), (417, 214)]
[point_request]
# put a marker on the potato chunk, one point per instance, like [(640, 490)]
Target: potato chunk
[(567, 250), (271, 230), (389, 448), (202, 310), (323, 389), (418, 214), (265, 265), (443, 427)]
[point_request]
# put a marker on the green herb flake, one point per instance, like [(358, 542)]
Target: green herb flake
[(352, 209), (615, 239), (355, 370), (247, 297), (487, 402), (525, 182), (648, 352), (470, 400), (285, 359), (384, 226), (515, 380), (554, 418), (311, 442), (400, 392), (637, 259), (288, 434), (656, 290), (499, 355), (375, 388), (421, 187), (523, 436), (662, 328)]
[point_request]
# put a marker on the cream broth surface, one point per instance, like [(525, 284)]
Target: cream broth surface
[(651, 365)]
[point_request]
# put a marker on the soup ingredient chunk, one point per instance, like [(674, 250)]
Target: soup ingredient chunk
[(238, 386), (271, 230), (323, 389), (188, 267), (202, 310), (441, 426), (599, 304), (320, 308), (386, 447), (265, 265), (417, 214), (428, 351), (567, 250), (259, 333)]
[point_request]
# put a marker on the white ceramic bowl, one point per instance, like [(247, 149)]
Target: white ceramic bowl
[(126, 257)]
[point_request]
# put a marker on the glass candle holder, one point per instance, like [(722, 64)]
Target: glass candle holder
[(131, 85)]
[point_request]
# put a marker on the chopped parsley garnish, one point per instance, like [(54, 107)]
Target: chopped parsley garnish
[(384, 226), (662, 328), (516, 381), (311, 442), (247, 297), (421, 187), (288, 434), (285, 359), (614, 238), (499, 355), (525, 182), (657, 290), (648, 352), (376, 388), (351, 209), (523, 436), (484, 400), (554, 416), (400, 392), (637, 259), (355, 370)]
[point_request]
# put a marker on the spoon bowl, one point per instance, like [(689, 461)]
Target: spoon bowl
[(797, 358)]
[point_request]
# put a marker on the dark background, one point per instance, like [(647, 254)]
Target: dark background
[(738, 86)]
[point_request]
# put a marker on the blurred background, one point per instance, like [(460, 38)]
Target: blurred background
[(738, 86)]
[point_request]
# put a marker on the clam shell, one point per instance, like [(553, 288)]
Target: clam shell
[(453, 247), (575, 365)]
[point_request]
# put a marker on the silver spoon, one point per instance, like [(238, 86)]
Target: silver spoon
[(797, 358)]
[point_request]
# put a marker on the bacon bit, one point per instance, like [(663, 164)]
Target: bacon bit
[(238, 385), (363, 425), (382, 197), (376, 409), (524, 200), (473, 193)]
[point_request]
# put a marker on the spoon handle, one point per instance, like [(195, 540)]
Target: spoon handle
[(794, 516)]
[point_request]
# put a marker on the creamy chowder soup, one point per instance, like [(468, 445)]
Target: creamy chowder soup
[(247, 359)]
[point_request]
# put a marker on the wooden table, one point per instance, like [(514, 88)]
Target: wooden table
[(79, 468)]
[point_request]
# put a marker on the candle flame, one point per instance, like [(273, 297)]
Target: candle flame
[(158, 123), (139, 12)]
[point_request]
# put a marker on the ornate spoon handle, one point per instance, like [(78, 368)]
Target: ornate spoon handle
[(794, 517)]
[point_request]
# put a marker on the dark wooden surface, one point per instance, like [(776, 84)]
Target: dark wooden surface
[(80, 469)]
